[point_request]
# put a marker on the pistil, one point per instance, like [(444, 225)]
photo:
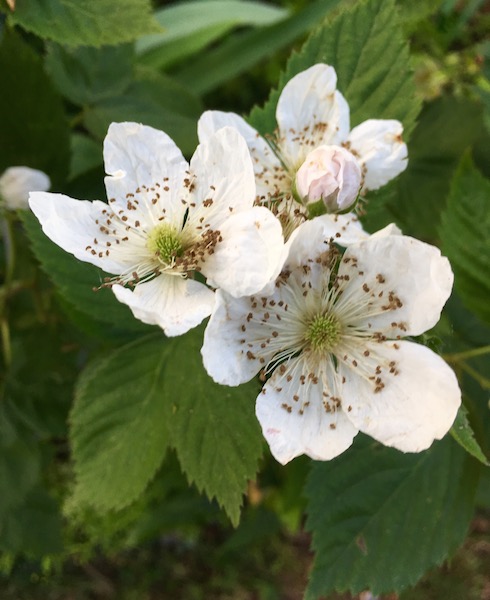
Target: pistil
[(323, 332), (165, 242)]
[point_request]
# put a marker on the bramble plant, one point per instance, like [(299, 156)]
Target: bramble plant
[(313, 275)]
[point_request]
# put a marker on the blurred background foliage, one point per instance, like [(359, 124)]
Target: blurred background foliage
[(62, 82)]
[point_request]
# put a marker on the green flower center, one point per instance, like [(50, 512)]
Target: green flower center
[(165, 241), (323, 333)]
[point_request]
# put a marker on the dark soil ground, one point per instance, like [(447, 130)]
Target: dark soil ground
[(173, 569)]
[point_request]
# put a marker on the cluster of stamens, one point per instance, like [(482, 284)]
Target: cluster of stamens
[(337, 332), (195, 254), (281, 197), (290, 213), (162, 247), (308, 138)]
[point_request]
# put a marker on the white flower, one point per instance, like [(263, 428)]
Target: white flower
[(326, 338), (311, 113), (17, 182), (167, 220)]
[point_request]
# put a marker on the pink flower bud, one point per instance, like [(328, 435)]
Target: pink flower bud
[(331, 174)]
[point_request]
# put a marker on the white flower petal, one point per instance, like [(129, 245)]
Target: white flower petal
[(72, 225), (223, 174), (251, 254), (378, 145), (308, 240), (211, 121), (415, 407), (224, 350), (293, 427), (390, 229), (17, 182), (310, 112), (270, 176), (414, 274), (171, 302), (145, 164)]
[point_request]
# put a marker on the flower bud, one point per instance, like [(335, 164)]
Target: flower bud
[(331, 174), (17, 182)]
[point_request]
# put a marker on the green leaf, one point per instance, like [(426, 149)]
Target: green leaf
[(258, 523), (483, 492), (243, 50), (151, 394), (190, 27), (286, 498), (447, 127), (33, 128), (183, 20), (118, 431), (467, 330), (464, 435), (376, 206), (213, 428), (465, 235), (86, 154), (87, 75), (381, 518), (33, 527), (411, 14), (371, 57), (165, 56), (19, 462), (76, 280), (155, 100), (38, 385), (90, 23), (168, 504)]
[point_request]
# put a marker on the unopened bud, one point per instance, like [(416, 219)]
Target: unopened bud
[(17, 182), (331, 174)]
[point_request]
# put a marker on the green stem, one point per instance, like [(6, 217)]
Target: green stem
[(6, 346), (483, 381), (77, 119), (8, 239), (460, 356), (14, 288)]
